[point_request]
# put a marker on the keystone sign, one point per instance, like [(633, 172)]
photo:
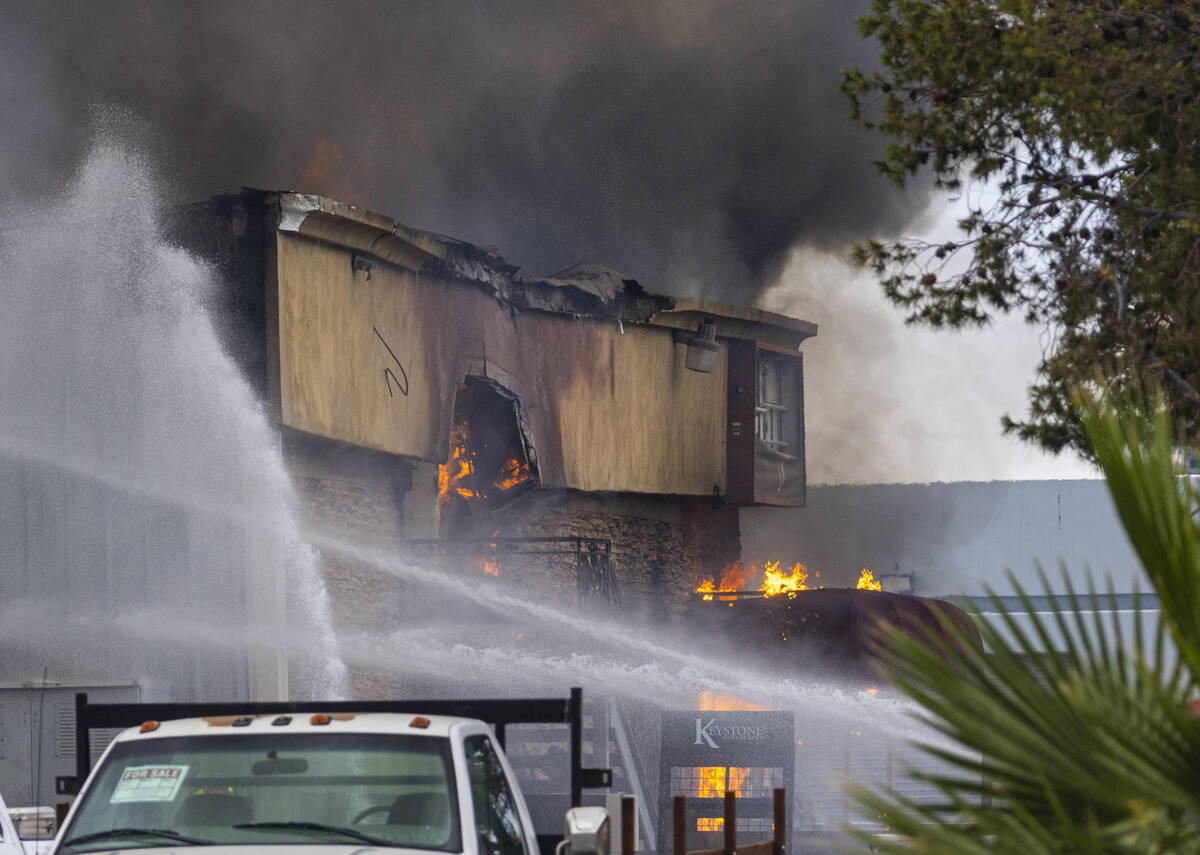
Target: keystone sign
[(707, 738), (709, 731)]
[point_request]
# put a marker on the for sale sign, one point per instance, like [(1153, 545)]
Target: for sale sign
[(149, 784)]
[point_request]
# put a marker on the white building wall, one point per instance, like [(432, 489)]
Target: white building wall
[(954, 538)]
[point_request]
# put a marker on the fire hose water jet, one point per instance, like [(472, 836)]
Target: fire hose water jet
[(608, 659), (496, 671), (113, 375)]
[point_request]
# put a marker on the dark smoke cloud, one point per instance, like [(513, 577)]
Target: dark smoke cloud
[(690, 143)]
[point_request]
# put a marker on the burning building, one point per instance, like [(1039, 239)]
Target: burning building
[(426, 391)]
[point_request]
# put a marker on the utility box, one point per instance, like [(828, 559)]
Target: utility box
[(33, 823), (37, 735)]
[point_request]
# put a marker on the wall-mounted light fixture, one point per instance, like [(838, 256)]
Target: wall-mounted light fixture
[(702, 347), (357, 262)]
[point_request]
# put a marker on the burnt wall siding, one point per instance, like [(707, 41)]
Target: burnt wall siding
[(623, 409), (611, 407)]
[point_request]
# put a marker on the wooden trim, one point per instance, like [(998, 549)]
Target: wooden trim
[(778, 503), (730, 822), (678, 825), (741, 387), (628, 823), (777, 845), (775, 348), (779, 840)]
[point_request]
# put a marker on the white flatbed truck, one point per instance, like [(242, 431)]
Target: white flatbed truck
[(330, 778)]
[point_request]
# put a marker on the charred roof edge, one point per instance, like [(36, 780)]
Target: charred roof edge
[(348, 225), (736, 321), (357, 228)]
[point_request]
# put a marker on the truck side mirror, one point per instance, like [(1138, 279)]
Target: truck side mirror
[(587, 832)]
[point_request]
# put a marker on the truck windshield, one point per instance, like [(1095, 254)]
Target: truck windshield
[(326, 788)]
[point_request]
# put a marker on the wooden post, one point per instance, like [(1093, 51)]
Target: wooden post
[(679, 846), (730, 823), (779, 842), (891, 758), (628, 838)]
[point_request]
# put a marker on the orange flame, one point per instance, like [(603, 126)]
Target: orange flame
[(453, 473), (737, 577), (866, 582), (490, 564), (775, 581), (327, 174), (513, 472), (712, 782), (460, 466), (714, 701)]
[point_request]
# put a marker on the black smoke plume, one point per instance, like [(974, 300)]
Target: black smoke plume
[(689, 143)]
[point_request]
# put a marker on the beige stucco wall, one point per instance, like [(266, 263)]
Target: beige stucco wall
[(332, 363), (625, 411), (609, 409)]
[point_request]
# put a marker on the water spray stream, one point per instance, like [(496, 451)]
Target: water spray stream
[(634, 665), (498, 671), (620, 661), (492, 599), (133, 455)]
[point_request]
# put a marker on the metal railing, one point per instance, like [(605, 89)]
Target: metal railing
[(595, 576)]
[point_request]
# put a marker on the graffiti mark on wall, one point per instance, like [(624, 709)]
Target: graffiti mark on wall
[(390, 376)]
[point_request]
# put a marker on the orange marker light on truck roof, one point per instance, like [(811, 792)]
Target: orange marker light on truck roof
[(148, 726), (319, 718), (420, 721)]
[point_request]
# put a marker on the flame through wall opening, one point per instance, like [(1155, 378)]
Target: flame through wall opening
[(491, 460)]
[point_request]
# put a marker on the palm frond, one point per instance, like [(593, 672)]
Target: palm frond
[(1062, 732)]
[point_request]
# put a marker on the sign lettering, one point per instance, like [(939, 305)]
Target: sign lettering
[(706, 731)]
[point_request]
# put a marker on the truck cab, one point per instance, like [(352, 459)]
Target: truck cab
[(330, 783)]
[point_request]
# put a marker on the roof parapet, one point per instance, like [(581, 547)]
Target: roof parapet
[(582, 290), (347, 225), (736, 321)]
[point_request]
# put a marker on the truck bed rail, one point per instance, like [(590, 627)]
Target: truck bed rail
[(498, 712)]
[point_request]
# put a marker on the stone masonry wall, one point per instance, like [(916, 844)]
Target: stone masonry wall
[(353, 498), (662, 546)]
